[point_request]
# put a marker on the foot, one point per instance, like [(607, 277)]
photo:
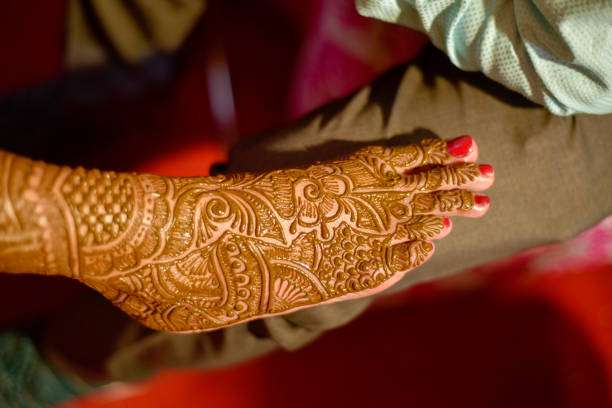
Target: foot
[(195, 254)]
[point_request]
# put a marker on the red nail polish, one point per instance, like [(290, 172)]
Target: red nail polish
[(461, 146), (482, 200), (447, 222), (486, 170)]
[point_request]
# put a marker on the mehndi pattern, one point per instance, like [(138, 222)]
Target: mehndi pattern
[(192, 254)]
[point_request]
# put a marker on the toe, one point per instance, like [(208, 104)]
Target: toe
[(448, 227), (466, 176), (450, 202), (422, 228), (409, 255), (482, 203), (462, 149), (427, 152), (435, 152), (485, 179)]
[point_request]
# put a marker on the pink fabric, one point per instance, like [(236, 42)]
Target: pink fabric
[(342, 51), (590, 250)]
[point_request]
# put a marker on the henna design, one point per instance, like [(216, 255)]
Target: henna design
[(32, 236), (192, 254), (419, 228)]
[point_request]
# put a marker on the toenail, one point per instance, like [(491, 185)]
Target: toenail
[(461, 146), (486, 170), (482, 201)]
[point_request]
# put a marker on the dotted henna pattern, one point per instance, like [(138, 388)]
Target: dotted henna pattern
[(193, 254), (101, 203)]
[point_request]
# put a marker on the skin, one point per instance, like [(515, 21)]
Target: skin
[(197, 254)]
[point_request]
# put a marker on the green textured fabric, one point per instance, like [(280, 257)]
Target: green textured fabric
[(25, 379), (556, 53)]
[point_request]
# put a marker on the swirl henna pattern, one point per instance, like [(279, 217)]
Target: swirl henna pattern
[(193, 254)]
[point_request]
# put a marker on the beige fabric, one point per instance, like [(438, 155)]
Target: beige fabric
[(554, 179), (140, 352), (554, 174), (167, 25), (82, 48)]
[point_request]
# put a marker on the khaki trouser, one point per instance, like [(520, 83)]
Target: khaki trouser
[(554, 180)]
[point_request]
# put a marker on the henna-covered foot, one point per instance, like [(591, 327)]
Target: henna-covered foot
[(193, 254)]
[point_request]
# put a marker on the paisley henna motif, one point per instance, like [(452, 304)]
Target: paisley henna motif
[(192, 254)]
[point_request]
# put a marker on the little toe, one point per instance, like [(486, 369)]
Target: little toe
[(409, 255), (448, 227)]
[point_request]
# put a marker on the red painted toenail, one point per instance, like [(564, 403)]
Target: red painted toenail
[(461, 146), (486, 170), (447, 222), (482, 200)]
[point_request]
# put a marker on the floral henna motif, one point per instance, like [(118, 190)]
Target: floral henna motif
[(191, 254), (239, 278)]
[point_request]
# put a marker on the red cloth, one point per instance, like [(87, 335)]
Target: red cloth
[(31, 42), (512, 341)]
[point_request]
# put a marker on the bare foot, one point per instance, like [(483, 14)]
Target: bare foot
[(194, 254)]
